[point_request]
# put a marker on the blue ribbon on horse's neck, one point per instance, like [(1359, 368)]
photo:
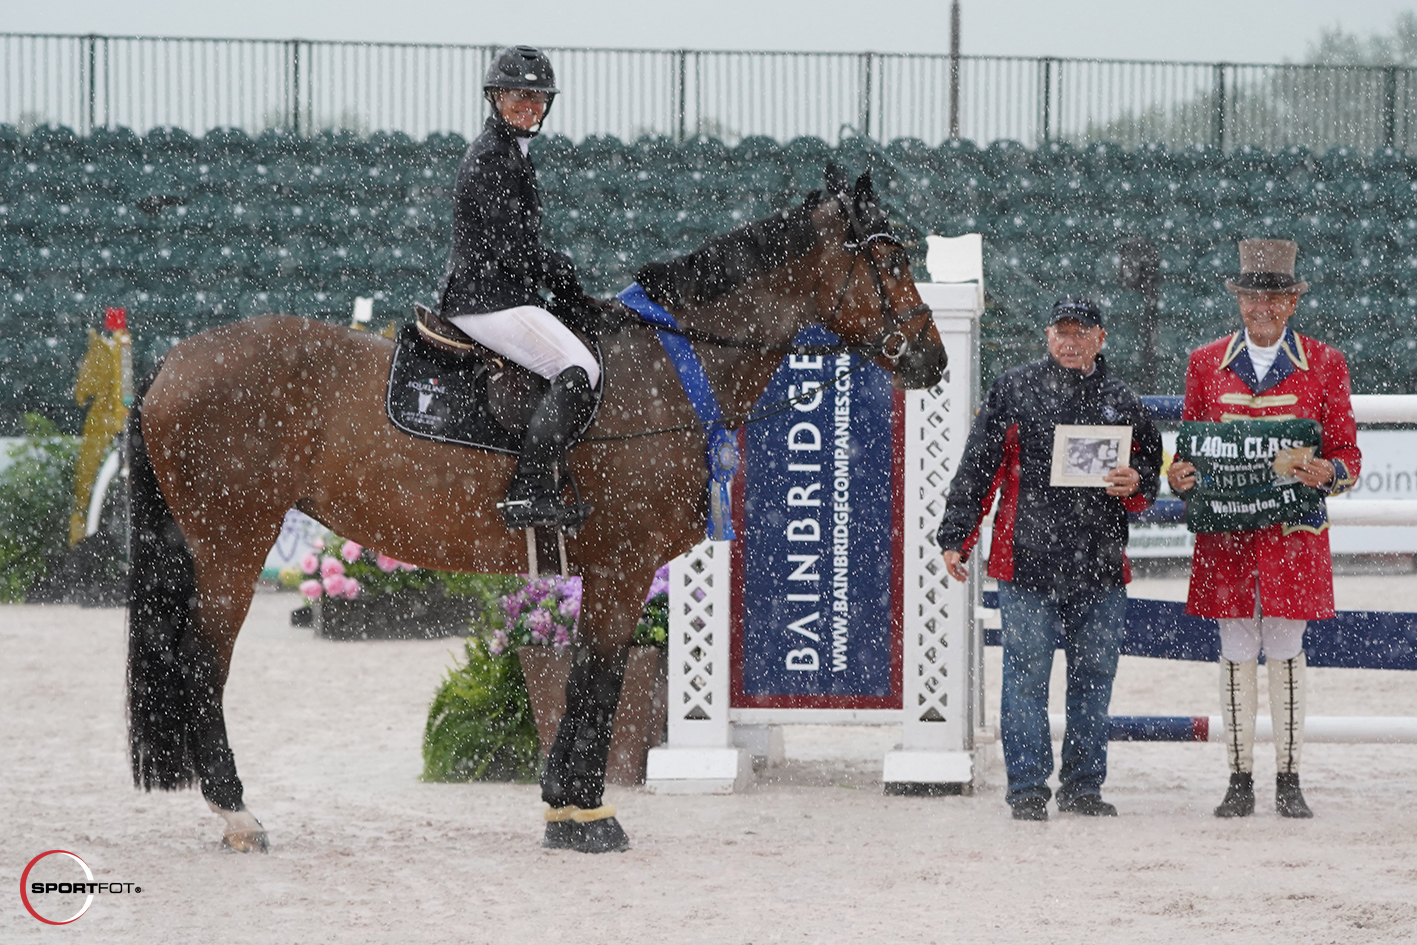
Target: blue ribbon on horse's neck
[(722, 447)]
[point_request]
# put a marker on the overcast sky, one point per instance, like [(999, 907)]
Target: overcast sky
[(1206, 30)]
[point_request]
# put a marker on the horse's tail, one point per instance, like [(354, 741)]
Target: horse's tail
[(162, 602)]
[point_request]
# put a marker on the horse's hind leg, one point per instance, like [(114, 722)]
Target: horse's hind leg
[(225, 589)]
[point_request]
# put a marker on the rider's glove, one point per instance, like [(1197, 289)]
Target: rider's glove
[(561, 277)]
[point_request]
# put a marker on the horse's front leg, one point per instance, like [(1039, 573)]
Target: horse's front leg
[(573, 781)]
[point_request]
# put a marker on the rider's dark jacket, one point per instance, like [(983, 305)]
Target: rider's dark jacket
[(497, 260), (1048, 538)]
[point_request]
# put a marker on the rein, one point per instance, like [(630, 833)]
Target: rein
[(732, 421)]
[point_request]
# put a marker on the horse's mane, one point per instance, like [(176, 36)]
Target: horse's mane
[(726, 262)]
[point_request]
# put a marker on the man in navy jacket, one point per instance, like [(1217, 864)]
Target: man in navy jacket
[(1058, 553)]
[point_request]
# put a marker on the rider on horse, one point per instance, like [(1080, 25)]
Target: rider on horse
[(497, 267)]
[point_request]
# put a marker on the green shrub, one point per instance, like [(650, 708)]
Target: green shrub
[(36, 491), (480, 726)]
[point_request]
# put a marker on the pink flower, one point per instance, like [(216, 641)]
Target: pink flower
[(310, 564), (351, 588), (318, 544), (408, 567), (334, 585), (385, 563), (311, 589), (331, 567), (350, 552)]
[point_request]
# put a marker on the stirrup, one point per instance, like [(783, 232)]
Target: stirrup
[(532, 512)]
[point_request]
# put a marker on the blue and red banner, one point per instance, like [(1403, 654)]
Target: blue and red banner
[(816, 615)]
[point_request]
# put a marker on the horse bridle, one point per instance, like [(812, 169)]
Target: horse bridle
[(893, 342)]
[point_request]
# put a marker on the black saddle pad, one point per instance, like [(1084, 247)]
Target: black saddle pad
[(449, 398)]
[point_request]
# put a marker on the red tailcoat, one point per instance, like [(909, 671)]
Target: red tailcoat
[(1290, 563)]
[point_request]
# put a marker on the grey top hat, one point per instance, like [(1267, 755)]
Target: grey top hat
[(1267, 266)]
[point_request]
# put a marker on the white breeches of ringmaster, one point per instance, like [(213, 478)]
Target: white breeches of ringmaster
[(1242, 639), (532, 337)]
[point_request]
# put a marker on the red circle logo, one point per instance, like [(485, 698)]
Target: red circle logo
[(24, 887)]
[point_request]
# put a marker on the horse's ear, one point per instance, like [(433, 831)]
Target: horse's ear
[(836, 179), (865, 191)]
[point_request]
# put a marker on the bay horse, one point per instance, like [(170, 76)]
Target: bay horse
[(244, 421)]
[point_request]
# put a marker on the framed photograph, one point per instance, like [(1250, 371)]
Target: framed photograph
[(1082, 455)]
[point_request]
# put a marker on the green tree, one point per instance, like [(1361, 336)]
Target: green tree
[(35, 492), (1398, 47)]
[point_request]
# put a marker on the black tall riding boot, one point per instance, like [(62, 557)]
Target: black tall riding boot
[(573, 781), (533, 497)]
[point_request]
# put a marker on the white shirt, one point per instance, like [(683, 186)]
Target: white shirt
[(1262, 358)]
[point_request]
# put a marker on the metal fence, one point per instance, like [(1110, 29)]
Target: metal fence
[(141, 82)]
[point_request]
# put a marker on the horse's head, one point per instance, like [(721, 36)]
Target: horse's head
[(867, 296)]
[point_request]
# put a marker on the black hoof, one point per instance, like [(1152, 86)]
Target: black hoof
[(596, 836)]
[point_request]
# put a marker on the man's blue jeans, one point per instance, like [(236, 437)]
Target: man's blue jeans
[(1090, 622)]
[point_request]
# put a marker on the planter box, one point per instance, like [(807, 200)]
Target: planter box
[(639, 715), (408, 615)]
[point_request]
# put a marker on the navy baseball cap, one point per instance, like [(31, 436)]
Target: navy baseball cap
[(1083, 311)]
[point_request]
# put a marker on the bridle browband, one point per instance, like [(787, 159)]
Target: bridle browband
[(892, 343)]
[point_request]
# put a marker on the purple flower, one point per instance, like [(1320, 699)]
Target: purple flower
[(540, 624), (660, 585), (562, 637), (570, 608), (499, 642), (536, 591)]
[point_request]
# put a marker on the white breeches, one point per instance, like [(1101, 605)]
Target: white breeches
[(1241, 639), (532, 337)]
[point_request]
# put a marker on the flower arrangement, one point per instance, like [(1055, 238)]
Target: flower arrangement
[(350, 571), (545, 611), (480, 725), (542, 612)]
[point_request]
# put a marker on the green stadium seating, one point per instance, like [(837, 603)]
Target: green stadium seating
[(305, 224)]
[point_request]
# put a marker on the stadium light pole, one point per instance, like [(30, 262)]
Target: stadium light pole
[(1139, 269), (954, 69)]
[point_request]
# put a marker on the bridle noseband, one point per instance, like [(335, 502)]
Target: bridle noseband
[(892, 343)]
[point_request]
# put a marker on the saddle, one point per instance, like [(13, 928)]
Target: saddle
[(446, 387)]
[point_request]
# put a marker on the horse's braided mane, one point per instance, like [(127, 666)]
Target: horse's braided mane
[(726, 262)]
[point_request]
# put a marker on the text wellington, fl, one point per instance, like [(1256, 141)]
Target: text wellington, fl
[(806, 443)]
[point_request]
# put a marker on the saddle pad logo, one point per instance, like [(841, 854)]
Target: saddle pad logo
[(423, 401)]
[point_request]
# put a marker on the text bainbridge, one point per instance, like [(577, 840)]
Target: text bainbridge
[(806, 437)]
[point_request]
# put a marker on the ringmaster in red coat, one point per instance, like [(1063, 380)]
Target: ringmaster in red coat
[(1264, 585)]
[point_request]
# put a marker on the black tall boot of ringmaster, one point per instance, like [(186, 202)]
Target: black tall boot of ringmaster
[(1239, 797), (573, 781), (533, 497), (1288, 799)]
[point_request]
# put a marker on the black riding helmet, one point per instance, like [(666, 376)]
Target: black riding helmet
[(521, 67)]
